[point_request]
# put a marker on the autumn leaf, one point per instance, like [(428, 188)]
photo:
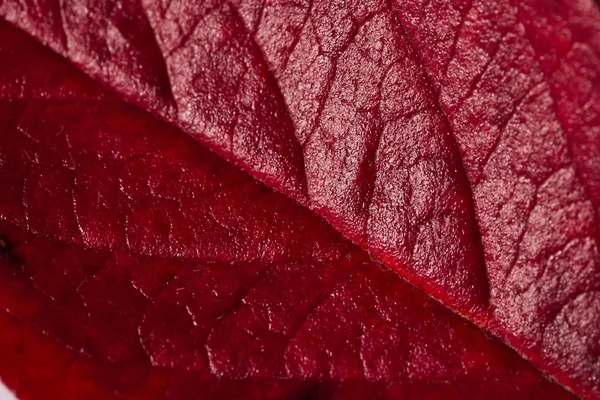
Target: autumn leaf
[(359, 148)]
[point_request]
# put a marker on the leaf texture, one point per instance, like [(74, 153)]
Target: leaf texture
[(456, 142)]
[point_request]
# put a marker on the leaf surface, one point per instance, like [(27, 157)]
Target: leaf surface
[(440, 137)]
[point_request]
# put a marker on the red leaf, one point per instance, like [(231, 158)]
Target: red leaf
[(456, 142)]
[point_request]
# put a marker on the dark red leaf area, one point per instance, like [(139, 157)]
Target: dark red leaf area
[(136, 264)]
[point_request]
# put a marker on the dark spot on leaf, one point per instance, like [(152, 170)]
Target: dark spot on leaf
[(4, 245), (308, 395), (6, 248), (314, 392)]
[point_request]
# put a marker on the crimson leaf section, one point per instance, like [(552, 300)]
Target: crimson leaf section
[(134, 263), (455, 140), (376, 153)]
